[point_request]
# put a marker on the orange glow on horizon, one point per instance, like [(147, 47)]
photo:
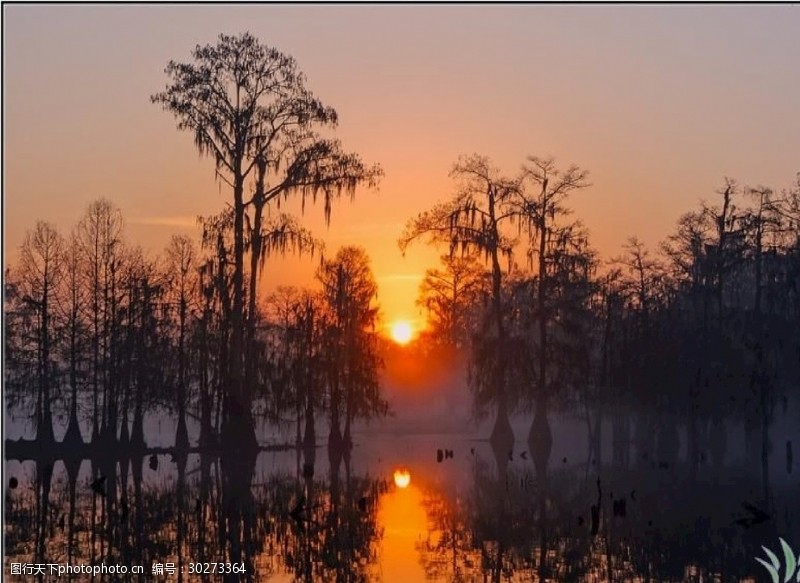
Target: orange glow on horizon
[(402, 478)]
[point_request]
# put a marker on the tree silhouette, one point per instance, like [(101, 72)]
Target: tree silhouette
[(298, 323), (100, 235), (450, 295), (41, 272), (472, 222), (181, 273), (349, 290), (249, 109), (554, 248), (73, 308)]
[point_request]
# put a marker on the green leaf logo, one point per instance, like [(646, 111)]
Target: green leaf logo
[(774, 564)]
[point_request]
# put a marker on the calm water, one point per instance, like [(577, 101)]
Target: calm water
[(392, 511)]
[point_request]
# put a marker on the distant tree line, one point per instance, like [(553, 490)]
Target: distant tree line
[(700, 330), (98, 333)]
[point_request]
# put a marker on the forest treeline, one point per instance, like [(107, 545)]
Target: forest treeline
[(699, 331), (99, 332)]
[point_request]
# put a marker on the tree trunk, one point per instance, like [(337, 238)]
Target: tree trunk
[(255, 259), (44, 430), (73, 435), (238, 429), (597, 445), (95, 346), (137, 431), (502, 438), (348, 417), (113, 369), (206, 433), (335, 435), (309, 437), (540, 438)]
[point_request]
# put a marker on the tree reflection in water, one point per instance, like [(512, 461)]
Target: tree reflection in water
[(288, 517), (522, 525), (194, 509)]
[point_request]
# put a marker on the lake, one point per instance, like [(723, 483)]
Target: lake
[(400, 507)]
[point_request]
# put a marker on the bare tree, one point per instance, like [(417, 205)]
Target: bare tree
[(542, 212), (100, 235), (642, 278), (181, 275), (763, 226), (725, 253), (73, 305), (41, 271)]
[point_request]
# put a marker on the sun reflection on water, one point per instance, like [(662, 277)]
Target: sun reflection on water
[(402, 478), (404, 523)]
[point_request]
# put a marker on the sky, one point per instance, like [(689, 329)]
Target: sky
[(659, 103)]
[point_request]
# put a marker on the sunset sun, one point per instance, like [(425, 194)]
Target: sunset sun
[(401, 332)]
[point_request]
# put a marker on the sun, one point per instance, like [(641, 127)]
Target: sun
[(401, 332)]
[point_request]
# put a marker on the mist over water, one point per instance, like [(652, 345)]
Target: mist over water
[(468, 513)]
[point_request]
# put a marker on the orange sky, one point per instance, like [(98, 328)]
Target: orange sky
[(659, 103)]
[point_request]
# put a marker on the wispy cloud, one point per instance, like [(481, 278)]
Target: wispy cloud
[(180, 222)]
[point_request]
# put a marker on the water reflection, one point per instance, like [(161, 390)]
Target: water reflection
[(402, 478), (479, 515)]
